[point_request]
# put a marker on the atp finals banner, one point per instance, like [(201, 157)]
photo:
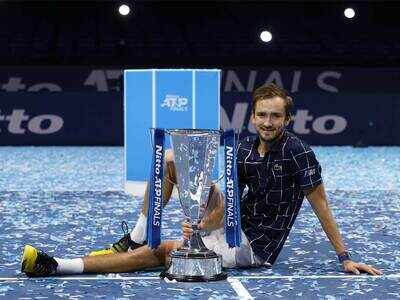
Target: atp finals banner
[(84, 106)]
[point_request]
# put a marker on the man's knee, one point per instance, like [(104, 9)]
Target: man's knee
[(170, 165), (169, 156)]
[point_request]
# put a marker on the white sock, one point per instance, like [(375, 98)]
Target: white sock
[(69, 266), (138, 234)]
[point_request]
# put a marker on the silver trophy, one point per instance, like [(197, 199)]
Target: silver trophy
[(195, 153)]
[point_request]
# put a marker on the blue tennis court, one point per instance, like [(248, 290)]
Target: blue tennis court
[(70, 200)]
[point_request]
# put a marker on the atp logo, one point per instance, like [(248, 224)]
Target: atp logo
[(175, 103)]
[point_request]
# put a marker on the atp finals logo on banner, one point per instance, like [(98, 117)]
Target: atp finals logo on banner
[(175, 102)]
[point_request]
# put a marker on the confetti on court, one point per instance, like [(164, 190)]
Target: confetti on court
[(76, 204)]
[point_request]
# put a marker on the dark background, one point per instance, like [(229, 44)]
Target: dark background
[(65, 58), (199, 33)]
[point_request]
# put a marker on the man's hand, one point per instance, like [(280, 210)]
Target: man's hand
[(317, 198), (350, 266), (187, 230)]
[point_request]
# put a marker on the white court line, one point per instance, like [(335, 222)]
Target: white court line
[(294, 277), (81, 278), (389, 276), (239, 289)]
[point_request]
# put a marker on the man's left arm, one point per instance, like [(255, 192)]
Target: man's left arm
[(318, 200)]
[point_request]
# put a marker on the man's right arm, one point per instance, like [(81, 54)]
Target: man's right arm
[(215, 218)]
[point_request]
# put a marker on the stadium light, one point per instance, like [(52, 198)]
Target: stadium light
[(349, 13), (124, 10), (266, 36)]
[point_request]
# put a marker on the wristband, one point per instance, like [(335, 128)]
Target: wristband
[(344, 256)]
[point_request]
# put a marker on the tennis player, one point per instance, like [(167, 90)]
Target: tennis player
[(276, 170)]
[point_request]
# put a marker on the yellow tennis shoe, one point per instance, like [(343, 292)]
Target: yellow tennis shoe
[(36, 263), (123, 245)]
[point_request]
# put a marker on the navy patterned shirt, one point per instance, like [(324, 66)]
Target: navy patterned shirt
[(272, 190)]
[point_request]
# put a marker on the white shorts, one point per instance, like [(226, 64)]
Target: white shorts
[(242, 256)]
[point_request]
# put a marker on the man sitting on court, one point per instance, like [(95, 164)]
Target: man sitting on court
[(275, 169)]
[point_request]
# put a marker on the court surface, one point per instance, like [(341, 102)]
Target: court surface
[(69, 200)]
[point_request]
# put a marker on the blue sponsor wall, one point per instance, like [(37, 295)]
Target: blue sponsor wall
[(84, 106), (177, 98), (70, 118)]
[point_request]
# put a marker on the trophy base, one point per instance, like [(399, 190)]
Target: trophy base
[(194, 266)]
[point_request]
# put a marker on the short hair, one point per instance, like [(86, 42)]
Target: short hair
[(272, 90)]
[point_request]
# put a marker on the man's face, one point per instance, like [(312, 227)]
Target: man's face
[(269, 118)]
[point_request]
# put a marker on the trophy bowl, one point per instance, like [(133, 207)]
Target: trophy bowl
[(195, 152)]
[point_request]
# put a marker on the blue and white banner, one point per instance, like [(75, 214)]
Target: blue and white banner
[(84, 106), (61, 119), (156, 181), (233, 231)]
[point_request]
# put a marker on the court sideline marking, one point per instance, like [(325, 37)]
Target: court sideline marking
[(239, 288), (287, 277)]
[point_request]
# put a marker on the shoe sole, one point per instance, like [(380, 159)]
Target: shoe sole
[(101, 252), (28, 259), (109, 252)]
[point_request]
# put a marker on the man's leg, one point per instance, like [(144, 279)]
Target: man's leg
[(169, 181), (37, 263), (139, 259), (138, 234), (137, 237)]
